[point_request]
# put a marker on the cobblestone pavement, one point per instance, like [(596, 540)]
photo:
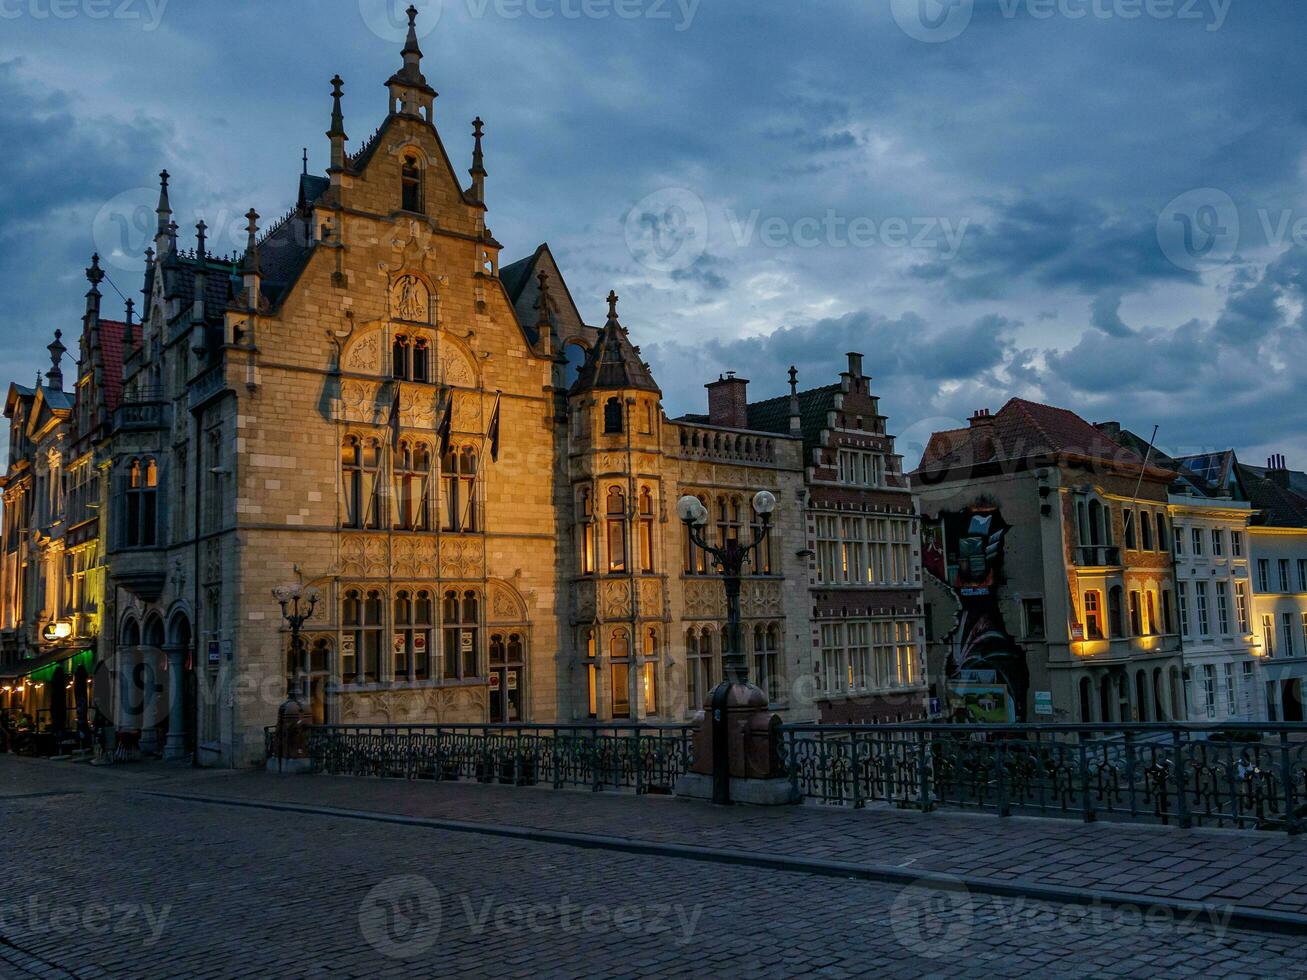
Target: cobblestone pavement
[(101, 880), (1251, 869)]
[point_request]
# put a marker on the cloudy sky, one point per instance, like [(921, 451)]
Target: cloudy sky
[(1096, 203)]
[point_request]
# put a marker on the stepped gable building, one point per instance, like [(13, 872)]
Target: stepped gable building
[(1044, 605), (862, 654), (481, 485)]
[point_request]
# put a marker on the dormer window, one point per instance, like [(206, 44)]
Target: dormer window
[(411, 184)]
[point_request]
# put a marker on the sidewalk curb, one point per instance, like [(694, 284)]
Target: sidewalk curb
[(1211, 916)]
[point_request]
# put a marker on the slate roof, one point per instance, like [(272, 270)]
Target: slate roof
[(1024, 429), (614, 362), (283, 254), (1280, 506), (815, 406)]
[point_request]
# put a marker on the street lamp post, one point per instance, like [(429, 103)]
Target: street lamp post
[(297, 605), (730, 558)]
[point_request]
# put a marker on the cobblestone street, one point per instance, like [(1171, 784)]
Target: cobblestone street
[(103, 880)]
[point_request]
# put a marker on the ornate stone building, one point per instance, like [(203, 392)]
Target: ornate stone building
[(481, 485)]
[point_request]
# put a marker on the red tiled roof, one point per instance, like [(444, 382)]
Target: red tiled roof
[(1019, 430), (112, 353)]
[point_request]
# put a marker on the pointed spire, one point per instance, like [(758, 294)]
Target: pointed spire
[(95, 276), (164, 210), (200, 229), (128, 323), (612, 306), (199, 308), (478, 170), (409, 92), (796, 421), (305, 171), (337, 131), (253, 280), (55, 376)]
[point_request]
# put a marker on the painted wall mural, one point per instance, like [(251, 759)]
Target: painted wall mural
[(986, 672)]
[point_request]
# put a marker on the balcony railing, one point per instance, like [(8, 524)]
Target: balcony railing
[(1234, 775), (140, 415), (645, 758), (727, 445), (1098, 556)]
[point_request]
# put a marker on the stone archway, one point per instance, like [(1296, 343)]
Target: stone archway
[(180, 707)]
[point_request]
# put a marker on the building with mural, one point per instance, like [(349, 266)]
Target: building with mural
[(1038, 591), (480, 484)]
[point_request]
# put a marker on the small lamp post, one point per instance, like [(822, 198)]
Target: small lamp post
[(297, 605), (729, 557)]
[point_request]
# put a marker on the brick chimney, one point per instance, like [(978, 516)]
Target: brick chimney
[(1277, 470), (728, 402), (981, 417)]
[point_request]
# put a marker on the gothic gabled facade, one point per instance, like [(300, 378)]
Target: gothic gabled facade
[(481, 485)]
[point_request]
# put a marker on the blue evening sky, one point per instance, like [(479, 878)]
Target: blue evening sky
[(1094, 203)]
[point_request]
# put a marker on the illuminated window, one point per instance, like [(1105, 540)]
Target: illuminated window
[(141, 503), (1093, 616), (615, 514), (458, 478)]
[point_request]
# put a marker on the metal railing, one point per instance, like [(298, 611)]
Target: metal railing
[(645, 758), (1232, 775)]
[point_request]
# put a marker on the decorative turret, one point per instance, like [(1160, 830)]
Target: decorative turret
[(90, 339), (55, 376), (128, 324), (478, 170), (410, 95), (544, 315), (165, 235), (614, 362), (337, 131)]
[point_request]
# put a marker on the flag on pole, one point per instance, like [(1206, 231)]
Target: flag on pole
[(445, 428), (493, 431)]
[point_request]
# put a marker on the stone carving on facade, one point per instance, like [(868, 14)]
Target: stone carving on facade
[(705, 599), (364, 556), (364, 355), (460, 557), (433, 706), (617, 600), (584, 594), (505, 606), (212, 561), (414, 557), (761, 599), (410, 299), (651, 598), (455, 368)]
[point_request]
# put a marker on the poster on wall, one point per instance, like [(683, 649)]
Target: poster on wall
[(981, 704)]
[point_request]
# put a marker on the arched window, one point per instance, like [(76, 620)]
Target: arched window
[(458, 476), (412, 471), (615, 517), (586, 536), (414, 613), (421, 360), (696, 559), (620, 656), (399, 360), (360, 461), (591, 674), (1093, 616), (613, 415), (360, 652), (649, 672), (141, 503), (411, 183), (646, 530), (460, 620)]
